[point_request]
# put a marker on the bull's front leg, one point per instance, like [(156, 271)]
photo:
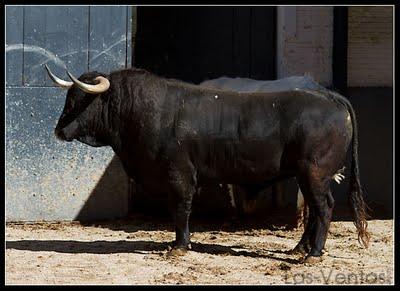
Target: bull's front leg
[(181, 212), (182, 190)]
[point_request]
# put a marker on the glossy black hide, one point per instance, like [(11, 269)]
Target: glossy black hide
[(174, 136)]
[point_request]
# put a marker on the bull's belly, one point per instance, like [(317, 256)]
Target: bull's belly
[(249, 174), (238, 162)]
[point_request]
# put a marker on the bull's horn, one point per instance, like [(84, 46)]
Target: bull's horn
[(102, 85), (61, 83)]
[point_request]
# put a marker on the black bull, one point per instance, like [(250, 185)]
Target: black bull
[(174, 136)]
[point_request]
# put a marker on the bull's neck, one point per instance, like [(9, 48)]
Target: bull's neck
[(111, 121), (128, 113)]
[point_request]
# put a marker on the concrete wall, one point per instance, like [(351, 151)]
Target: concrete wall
[(370, 46), (304, 42), (47, 179)]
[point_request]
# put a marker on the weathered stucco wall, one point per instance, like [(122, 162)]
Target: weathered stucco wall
[(47, 179), (304, 42), (370, 46)]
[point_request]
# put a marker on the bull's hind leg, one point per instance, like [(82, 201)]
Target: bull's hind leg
[(319, 199), (304, 245)]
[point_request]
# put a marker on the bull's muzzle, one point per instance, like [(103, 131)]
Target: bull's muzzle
[(60, 135), (68, 132)]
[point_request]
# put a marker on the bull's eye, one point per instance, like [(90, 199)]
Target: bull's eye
[(69, 106)]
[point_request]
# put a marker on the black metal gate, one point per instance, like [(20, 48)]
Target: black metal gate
[(198, 43)]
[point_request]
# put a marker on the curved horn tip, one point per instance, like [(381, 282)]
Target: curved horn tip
[(61, 83), (46, 67)]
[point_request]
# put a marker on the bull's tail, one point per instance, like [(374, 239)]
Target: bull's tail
[(356, 197)]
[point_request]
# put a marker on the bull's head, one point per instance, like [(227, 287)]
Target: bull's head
[(81, 116)]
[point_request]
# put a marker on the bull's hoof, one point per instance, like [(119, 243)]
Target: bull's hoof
[(177, 252), (298, 250), (312, 260)]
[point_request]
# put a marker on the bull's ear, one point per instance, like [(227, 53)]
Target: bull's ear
[(102, 85), (59, 82)]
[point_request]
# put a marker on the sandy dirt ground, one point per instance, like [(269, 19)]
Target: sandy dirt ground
[(135, 251)]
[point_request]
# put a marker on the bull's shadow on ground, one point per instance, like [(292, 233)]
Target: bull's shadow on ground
[(139, 247), (163, 222), (271, 219), (160, 222)]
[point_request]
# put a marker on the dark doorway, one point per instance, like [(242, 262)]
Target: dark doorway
[(198, 43)]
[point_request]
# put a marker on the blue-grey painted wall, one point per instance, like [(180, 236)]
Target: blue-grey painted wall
[(47, 179)]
